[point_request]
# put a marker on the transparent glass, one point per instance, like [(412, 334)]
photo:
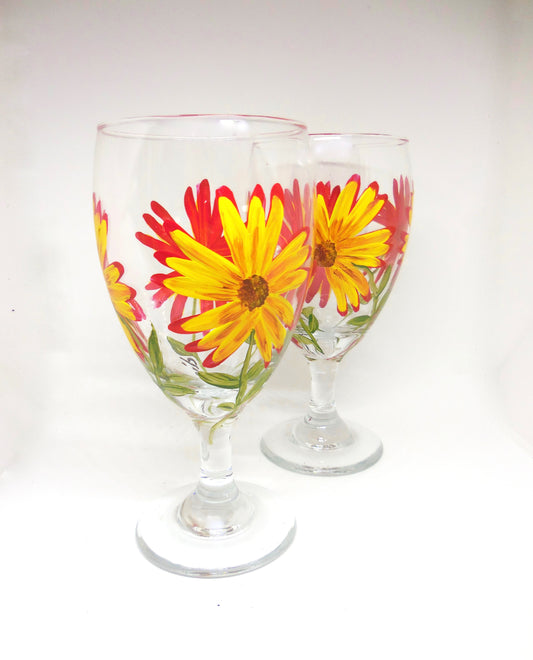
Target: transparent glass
[(207, 273), (362, 214)]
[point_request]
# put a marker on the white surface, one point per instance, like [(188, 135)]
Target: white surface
[(425, 555)]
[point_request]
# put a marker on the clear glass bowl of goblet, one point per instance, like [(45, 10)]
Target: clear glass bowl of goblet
[(362, 212), (207, 276)]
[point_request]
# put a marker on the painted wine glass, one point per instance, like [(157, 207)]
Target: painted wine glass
[(362, 212), (207, 277)]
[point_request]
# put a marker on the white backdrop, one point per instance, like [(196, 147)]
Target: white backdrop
[(428, 554)]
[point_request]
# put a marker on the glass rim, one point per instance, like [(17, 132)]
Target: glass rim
[(118, 128), (363, 139)]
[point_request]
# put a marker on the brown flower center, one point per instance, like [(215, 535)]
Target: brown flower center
[(325, 254), (253, 291)]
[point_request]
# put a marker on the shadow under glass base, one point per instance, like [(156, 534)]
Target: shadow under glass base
[(168, 544), (295, 446)]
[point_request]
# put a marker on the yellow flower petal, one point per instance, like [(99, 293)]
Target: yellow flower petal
[(201, 254), (228, 338), (321, 229), (256, 233), (251, 285), (282, 308), (275, 331), (264, 343), (287, 261), (364, 211), (342, 205), (273, 229), (217, 316), (237, 236)]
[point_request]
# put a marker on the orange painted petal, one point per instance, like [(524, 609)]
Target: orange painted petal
[(361, 283), (262, 341), (336, 284), (275, 330), (281, 307), (352, 282), (288, 281)]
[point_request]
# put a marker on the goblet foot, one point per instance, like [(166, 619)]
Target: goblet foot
[(321, 450), (253, 534)]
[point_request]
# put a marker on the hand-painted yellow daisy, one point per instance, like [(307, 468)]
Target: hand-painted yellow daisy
[(122, 296), (248, 288), (340, 248)]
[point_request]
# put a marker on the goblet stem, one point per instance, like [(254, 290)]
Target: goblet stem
[(216, 507), (320, 442), (322, 428), (321, 406), (216, 472)]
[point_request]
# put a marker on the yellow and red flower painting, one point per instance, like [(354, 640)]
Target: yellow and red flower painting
[(341, 244), (241, 270), (206, 229), (249, 287), (232, 278), (122, 296), (359, 242), (397, 217)]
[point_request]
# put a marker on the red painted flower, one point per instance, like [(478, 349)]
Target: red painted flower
[(206, 229), (397, 218), (297, 212)]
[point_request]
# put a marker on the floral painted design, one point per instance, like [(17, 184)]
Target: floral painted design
[(342, 247), (248, 289), (298, 208), (359, 242), (206, 229), (397, 218), (122, 296)]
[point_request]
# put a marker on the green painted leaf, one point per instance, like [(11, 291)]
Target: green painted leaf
[(383, 301), (359, 320), (384, 280), (226, 406), (255, 370), (154, 350), (177, 346), (258, 384), (307, 311), (227, 381), (177, 390), (178, 379), (313, 323), (302, 339)]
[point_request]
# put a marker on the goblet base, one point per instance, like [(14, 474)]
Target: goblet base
[(320, 456), (168, 544)]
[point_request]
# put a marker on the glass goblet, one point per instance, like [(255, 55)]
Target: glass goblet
[(362, 218), (207, 279)]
